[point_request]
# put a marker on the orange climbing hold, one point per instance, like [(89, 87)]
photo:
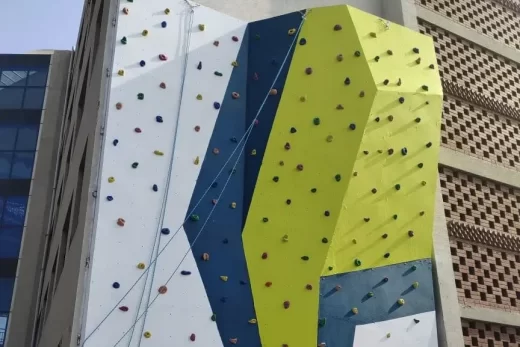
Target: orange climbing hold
[(121, 222), (162, 289)]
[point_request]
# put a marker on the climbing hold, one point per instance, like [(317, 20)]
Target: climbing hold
[(330, 138), (385, 82), (415, 50), (355, 310), (388, 335), (147, 334), (305, 258), (401, 100), (352, 126), (324, 240), (162, 289), (234, 63), (216, 105), (141, 266), (330, 268), (165, 231), (192, 337), (387, 255), (366, 219), (126, 10), (425, 88), (303, 98), (163, 57), (288, 201), (115, 142), (111, 179), (158, 119), (340, 107), (135, 165), (162, 85), (214, 317), (199, 97), (373, 34), (299, 167), (432, 66), (308, 70), (308, 286), (214, 185), (357, 53), (164, 24), (157, 152), (142, 63), (420, 165), (361, 94), (185, 273), (253, 152), (418, 120), (194, 218), (379, 151), (385, 279), (167, 11), (404, 151), (216, 43), (415, 285), (155, 188), (337, 27), (276, 178), (339, 57), (233, 341), (285, 238), (287, 146), (115, 285), (223, 299), (376, 58), (394, 217), (377, 119), (414, 267), (389, 52), (235, 95), (401, 302), (418, 61), (110, 198), (384, 236), (293, 130), (138, 130), (286, 304), (347, 81), (256, 122), (233, 205), (119, 106), (390, 118), (303, 41), (397, 186), (291, 32), (265, 219), (224, 278), (370, 294), (121, 72), (399, 82), (390, 151), (145, 32), (374, 190), (199, 66), (140, 96), (123, 308), (202, 27), (416, 321), (216, 151), (281, 163), (268, 284), (316, 121), (252, 321), (322, 344), (264, 255), (357, 262), (429, 144), (234, 38), (322, 322), (337, 177), (218, 73), (423, 183)]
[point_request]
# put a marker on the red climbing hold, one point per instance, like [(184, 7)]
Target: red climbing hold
[(121, 222), (162, 289), (192, 337), (138, 130), (286, 304), (268, 284), (123, 308), (234, 38), (264, 255), (163, 57), (162, 85)]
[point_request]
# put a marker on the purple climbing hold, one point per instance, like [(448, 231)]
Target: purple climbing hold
[(164, 24), (110, 198), (216, 105), (155, 188), (142, 63), (185, 273), (165, 231), (115, 285), (159, 119), (115, 142)]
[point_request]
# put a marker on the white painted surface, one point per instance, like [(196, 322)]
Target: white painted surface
[(404, 332), (184, 309)]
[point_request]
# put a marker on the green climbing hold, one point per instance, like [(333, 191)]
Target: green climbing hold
[(124, 40), (357, 262), (194, 218), (214, 317), (140, 96), (218, 73), (330, 268), (397, 186), (324, 240), (370, 294), (316, 121), (395, 217), (322, 322), (414, 268), (337, 177)]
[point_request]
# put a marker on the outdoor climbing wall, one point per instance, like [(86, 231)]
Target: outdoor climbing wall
[(265, 184)]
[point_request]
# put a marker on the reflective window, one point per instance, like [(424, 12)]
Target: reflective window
[(5, 164), (4, 316), (33, 98), (7, 137), (11, 98), (14, 210), (22, 165), (10, 241), (37, 78), (13, 78), (27, 137), (6, 293)]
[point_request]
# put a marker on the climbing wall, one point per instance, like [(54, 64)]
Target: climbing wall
[(265, 184)]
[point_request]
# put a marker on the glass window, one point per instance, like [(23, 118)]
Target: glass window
[(34, 98), (13, 78), (5, 164), (37, 78), (22, 165), (11, 98), (27, 137), (10, 241), (14, 210), (4, 316), (7, 137), (6, 293)]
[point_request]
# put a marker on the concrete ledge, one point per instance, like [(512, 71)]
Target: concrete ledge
[(468, 34), (463, 162), (489, 315)]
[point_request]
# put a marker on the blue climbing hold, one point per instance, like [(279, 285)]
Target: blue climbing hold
[(164, 24), (142, 63), (110, 198), (216, 105), (115, 142), (159, 119), (165, 231), (185, 273), (214, 185), (115, 285), (155, 188)]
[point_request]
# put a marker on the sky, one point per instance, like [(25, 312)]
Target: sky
[(28, 25)]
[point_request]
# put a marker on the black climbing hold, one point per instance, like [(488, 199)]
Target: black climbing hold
[(416, 321), (414, 267), (404, 151), (115, 142), (337, 177), (316, 121), (425, 88), (214, 317), (387, 255), (361, 94), (265, 219), (395, 217), (418, 120), (305, 258), (385, 236), (225, 241), (390, 118), (276, 178), (185, 273), (216, 105), (385, 82), (135, 165), (314, 190), (303, 41), (418, 61), (165, 231), (390, 151), (330, 268), (110, 198), (389, 52), (233, 139), (421, 213), (420, 165), (337, 27), (401, 100), (199, 66), (374, 190), (397, 186), (164, 24), (115, 285), (416, 50), (352, 126), (293, 130), (324, 240), (124, 40), (322, 322), (142, 63), (242, 282), (288, 201), (217, 73), (155, 188), (366, 219), (377, 119), (429, 144), (385, 279), (357, 53), (159, 119), (432, 66), (326, 213), (214, 185), (410, 233), (366, 152), (347, 81), (376, 58), (140, 96)]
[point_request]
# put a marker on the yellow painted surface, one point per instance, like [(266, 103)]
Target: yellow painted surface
[(375, 168), (303, 221)]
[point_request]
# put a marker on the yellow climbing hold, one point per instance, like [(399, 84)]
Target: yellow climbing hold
[(167, 10), (141, 266), (111, 179), (199, 97), (252, 321), (121, 72), (291, 32), (234, 63), (253, 152), (224, 278), (145, 32), (202, 27), (233, 205), (147, 334), (355, 310), (157, 152), (196, 161)]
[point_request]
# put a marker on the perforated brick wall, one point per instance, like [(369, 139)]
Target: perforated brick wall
[(487, 17), (480, 133), (480, 334), (485, 276), (473, 67), (480, 202)]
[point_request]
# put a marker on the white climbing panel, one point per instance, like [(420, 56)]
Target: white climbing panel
[(117, 250)]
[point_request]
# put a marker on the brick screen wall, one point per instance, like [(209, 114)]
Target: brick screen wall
[(480, 133), (480, 334), (490, 18), (473, 67)]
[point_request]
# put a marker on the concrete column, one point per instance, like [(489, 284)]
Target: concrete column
[(402, 12)]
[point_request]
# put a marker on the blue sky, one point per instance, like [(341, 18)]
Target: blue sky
[(28, 25)]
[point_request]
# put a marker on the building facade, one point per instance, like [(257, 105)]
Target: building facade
[(477, 226)]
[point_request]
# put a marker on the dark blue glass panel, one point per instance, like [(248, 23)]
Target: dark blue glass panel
[(6, 293), (5, 164), (11, 98), (4, 317), (22, 165), (34, 98), (15, 78), (27, 137), (37, 78), (14, 211), (7, 137), (10, 240)]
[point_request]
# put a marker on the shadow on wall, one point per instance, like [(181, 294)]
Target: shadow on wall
[(252, 10)]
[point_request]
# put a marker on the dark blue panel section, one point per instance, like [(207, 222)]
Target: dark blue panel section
[(336, 305), (221, 239), (10, 240), (6, 293), (269, 43), (14, 211)]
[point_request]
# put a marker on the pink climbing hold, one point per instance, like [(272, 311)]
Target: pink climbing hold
[(123, 308), (138, 130), (163, 57), (162, 85), (192, 337), (234, 38)]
